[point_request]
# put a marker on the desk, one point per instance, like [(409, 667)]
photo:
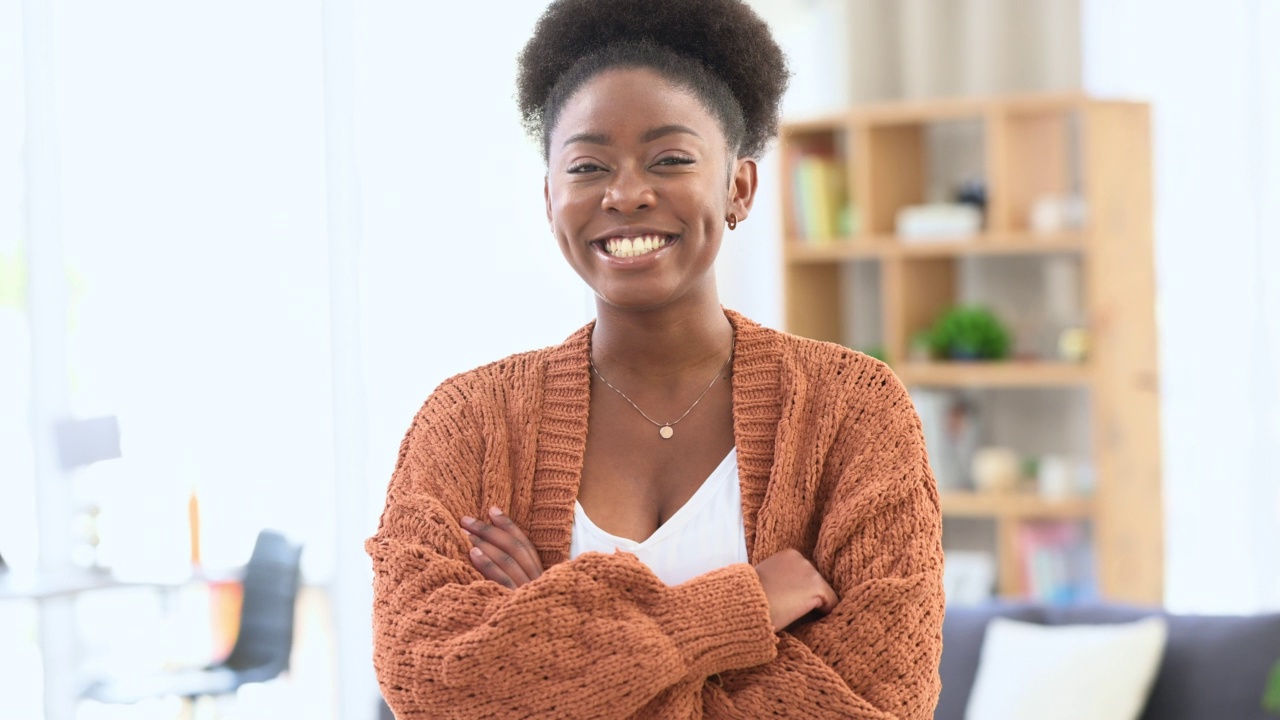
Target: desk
[(53, 592)]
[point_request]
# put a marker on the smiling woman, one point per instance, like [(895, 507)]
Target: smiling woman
[(640, 183), (773, 548)]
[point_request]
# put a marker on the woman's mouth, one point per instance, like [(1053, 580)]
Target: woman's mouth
[(629, 247)]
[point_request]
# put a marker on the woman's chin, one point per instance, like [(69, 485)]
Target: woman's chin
[(637, 297)]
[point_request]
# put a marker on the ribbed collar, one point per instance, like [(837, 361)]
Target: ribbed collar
[(562, 430)]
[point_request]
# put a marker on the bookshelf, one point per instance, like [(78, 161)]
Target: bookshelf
[(865, 285)]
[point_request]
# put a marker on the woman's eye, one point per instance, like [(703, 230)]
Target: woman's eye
[(676, 160), (584, 168)]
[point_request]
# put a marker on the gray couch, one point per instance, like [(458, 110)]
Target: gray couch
[(1214, 668)]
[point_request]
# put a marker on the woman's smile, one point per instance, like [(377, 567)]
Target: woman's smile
[(633, 248), (619, 246), (638, 188)]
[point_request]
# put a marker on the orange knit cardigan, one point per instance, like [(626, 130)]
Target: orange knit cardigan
[(831, 462)]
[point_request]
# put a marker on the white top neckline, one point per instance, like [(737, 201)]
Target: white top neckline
[(705, 534), (677, 520)]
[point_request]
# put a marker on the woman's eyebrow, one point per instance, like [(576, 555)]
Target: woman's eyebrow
[(654, 134), (586, 137), (597, 138)]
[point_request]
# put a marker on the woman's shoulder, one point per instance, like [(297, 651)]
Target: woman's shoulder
[(818, 379), (511, 378), (833, 368)]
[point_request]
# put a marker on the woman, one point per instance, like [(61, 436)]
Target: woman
[(676, 513)]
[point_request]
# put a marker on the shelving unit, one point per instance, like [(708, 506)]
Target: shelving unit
[(874, 283), (1013, 506)]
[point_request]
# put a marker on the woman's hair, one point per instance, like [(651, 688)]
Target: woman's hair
[(718, 49)]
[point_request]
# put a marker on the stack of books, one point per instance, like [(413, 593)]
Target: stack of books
[(822, 211), (1056, 562)]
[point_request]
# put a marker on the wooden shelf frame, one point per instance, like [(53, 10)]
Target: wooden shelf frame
[(879, 247), (1015, 505), (1031, 145), (1010, 374)]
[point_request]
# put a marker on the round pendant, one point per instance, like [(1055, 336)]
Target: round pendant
[(666, 431)]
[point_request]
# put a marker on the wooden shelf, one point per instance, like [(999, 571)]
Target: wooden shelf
[(838, 122), (799, 251), (874, 288), (888, 246), (993, 374), (1013, 505), (944, 109)]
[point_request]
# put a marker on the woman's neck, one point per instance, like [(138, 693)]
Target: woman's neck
[(661, 344)]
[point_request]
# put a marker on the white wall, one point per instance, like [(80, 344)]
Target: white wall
[(459, 267)]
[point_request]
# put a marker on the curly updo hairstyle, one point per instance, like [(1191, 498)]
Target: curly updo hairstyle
[(718, 49)]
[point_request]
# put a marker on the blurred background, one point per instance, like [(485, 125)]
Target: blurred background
[(240, 243)]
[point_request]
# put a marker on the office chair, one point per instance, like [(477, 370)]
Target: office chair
[(263, 644)]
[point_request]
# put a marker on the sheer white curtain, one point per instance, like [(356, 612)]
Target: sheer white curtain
[(1213, 76), (171, 184), (458, 265), (193, 221), (17, 474)]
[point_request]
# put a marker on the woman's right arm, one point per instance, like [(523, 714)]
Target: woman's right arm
[(598, 636)]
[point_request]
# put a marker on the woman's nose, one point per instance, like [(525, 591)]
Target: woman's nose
[(629, 192)]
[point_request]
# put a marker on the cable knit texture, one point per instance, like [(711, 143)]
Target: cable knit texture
[(831, 462)]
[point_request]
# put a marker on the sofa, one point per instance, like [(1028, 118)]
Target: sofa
[(1213, 668)]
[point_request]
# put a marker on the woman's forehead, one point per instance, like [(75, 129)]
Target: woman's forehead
[(632, 105)]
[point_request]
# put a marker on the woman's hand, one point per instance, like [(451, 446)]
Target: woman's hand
[(502, 553), (794, 588)]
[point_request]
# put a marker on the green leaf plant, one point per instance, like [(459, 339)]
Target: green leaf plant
[(969, 332)]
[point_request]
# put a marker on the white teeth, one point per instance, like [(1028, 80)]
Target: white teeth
[(633, 247)]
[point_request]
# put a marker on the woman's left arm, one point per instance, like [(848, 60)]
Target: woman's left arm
[(880, 546)]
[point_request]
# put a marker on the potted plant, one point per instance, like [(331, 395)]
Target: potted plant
[(969, 332)]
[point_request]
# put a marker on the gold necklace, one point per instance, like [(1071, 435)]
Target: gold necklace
[(667, 430)]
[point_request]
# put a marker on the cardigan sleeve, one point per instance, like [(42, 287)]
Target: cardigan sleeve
[(597, 636), (876, 654)]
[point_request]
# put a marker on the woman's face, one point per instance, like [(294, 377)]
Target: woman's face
[(639, 185)]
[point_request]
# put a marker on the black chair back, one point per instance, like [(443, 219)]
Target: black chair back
[(271, 583)]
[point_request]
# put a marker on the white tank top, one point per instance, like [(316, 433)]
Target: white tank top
[(705, 534)]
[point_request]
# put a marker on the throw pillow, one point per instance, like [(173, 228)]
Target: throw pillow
[(1100, 672)]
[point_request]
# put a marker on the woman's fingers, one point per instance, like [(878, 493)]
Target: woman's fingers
[(829, 599), (505, 545), (521, 548), (490, 569), (497, 561)]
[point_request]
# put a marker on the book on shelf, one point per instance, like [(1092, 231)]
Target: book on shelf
[(822, 211), (1056, 562)]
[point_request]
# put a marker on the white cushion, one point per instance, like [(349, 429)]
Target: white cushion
[(1038, 672)]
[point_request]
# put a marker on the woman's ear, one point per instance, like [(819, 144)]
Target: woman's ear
[(546, 195), (742, 189)]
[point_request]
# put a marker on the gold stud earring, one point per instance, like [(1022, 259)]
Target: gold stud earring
[(733, 221)]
